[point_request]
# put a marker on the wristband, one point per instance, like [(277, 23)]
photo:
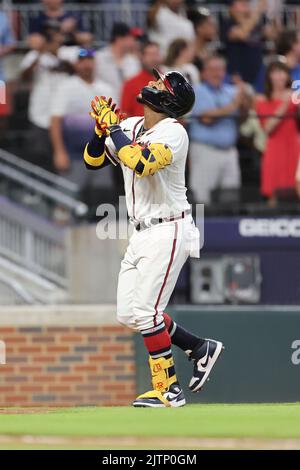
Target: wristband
[(118, 137)]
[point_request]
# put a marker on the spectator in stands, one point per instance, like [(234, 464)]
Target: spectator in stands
[(71, 25), (206, 35), (213, 132), (288, 45), (116, 63), (150, 58), (46, 70), (7, 44), (251, 145), (140, 37), (71, 125), (278, 117), (250, 127), (180, 55), (167, 21), (242, 34)]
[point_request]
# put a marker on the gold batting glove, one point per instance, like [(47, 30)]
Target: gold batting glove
[(97, 105), (105, 114)]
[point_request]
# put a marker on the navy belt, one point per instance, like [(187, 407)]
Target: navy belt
[(142, 225)]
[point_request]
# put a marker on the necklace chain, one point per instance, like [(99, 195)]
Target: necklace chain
[(141, 131)]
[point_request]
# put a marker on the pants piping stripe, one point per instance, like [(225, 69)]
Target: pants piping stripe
[(167, 273)]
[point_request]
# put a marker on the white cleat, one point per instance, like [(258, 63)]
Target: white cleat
[(204, 357)]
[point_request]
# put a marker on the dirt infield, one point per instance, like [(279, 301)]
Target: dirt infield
[(150, 443)]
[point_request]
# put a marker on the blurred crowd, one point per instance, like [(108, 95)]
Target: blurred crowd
[(244, 66)]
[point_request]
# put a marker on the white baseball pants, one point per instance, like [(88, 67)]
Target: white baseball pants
[(150, 269)]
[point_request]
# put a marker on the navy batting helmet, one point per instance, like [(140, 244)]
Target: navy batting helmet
[(176, 101)]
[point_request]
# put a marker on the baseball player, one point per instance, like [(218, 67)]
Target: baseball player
[(152, 152)]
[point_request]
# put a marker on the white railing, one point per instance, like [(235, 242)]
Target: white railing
[(99, 18), (28, 236), (13, 292), (17, 171), (19, 285), (32, 242)]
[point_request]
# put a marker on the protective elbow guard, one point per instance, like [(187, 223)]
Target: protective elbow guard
[(145, 161), (96, 162)]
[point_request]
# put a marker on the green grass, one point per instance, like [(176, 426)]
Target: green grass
[(214, 421)]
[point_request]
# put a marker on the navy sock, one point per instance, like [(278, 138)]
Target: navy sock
[(180, 337)]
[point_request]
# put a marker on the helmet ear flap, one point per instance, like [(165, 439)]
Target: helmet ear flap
[(166, 100)]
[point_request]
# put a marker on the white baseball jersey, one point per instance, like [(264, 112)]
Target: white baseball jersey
[(164, 193), (154, 256)]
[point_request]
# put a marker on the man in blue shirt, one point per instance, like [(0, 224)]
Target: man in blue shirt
[(6, 41), (213, 132)]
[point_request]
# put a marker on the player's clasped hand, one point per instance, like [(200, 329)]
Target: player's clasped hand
[(98, 103), (105, 114)]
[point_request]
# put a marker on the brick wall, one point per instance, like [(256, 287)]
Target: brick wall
[(59, 365)]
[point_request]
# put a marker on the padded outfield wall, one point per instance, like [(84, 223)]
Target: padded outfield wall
[(79, 355), (261, 362)]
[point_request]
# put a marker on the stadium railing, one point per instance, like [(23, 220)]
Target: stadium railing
[(32, 241), (99, 18), (24, 178), (13, 289)]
